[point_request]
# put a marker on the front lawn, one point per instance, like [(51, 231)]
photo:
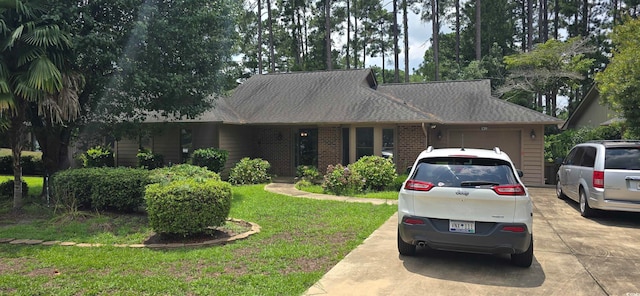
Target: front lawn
[(34, 183), (300, 240)]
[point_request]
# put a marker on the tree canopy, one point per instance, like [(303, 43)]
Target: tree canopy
[(619, 83)]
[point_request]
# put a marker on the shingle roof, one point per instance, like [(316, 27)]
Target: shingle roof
[(461, 102), (352, 96)]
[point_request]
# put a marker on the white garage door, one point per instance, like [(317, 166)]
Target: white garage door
[(508, 141)]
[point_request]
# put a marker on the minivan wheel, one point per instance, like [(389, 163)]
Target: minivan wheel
[(524, 259), (559, 192), (405, 248), (585, 209)]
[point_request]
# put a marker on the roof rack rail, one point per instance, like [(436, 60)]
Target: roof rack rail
[(613, 141), (429, 149), (497, 150)]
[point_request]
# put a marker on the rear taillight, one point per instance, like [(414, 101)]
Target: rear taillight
[(513, 228), (413, 221), (509, 190), (598, 179), (418, 185)]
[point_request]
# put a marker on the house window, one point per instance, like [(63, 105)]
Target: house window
[(185, 144), (388, 143), (364, 141)]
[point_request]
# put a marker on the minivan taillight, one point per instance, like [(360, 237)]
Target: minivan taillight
[(509, 190), (598, 179), (418, 185)]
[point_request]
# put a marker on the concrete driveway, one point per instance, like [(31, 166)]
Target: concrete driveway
[(572, 256)]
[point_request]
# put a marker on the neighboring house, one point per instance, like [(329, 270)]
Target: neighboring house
[(331, 117), (591, 112)]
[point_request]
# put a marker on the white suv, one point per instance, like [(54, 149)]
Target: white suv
[(467, 200)]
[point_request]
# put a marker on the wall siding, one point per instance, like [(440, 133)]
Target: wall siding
[(329, 147), (410, 142), (238, 141), (275, 145), (126, 151), (167, 144)]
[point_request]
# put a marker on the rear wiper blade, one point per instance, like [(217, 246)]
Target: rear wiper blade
[(478, 183)]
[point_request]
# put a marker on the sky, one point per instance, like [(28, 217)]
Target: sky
[(419, 42)]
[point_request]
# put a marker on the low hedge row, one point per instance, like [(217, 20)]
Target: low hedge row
[(31, 166), (111, 189)]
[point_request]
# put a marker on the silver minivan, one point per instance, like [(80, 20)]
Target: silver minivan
[(602, 175)]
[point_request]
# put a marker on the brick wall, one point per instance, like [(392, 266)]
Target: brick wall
[(329, 147), (411, 141), (273, 145)]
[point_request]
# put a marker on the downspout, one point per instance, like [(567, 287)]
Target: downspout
[(426, 136)]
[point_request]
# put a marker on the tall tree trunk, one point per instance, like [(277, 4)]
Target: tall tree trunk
[(16, 139), (435, 37), (556, 20), (540, 30), (478, 31), (396, 64), (348, 34), (545, 21), (299, 40), (382, 50), (355, 35), (529, 25), (585, 18), (259, 37), (405, 22), (457, 3), (327, 32), (271, 50)]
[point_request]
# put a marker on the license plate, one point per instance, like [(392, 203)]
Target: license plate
[(462, 226)]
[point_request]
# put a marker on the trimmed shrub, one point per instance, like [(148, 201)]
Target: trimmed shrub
[(72, 188), (341, 180), (6, 165), (250, 171), (98, 156), (308, 173), (182, 172), (378, 172), (110, 189), (186, 207), (120, 189), (397, 182), (211, 158), (6, 190), (149, 160)]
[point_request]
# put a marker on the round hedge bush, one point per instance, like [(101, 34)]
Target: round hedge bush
[(182, 172), (378, 172), (6, 190), (250, 171), (187, 207)]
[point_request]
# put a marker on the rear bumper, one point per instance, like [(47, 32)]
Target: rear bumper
[(488, 239), (599, 200)]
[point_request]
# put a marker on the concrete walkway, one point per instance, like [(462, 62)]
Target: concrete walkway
[(289, 189)]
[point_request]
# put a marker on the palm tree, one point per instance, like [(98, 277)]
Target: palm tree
[(34, 75)]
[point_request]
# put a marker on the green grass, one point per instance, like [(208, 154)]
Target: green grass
[(5, 152), (300, 240), (34, 183)]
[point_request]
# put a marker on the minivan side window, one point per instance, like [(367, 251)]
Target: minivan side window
[(589, 157), (575, 156)]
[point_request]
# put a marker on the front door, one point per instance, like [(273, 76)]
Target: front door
[(307, 147)]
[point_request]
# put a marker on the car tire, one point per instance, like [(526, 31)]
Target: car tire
[(524, 259), (585, 209), (559, 192), (405, 248)]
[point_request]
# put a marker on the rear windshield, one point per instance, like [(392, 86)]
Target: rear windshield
[(622, 158), (464, 172)]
